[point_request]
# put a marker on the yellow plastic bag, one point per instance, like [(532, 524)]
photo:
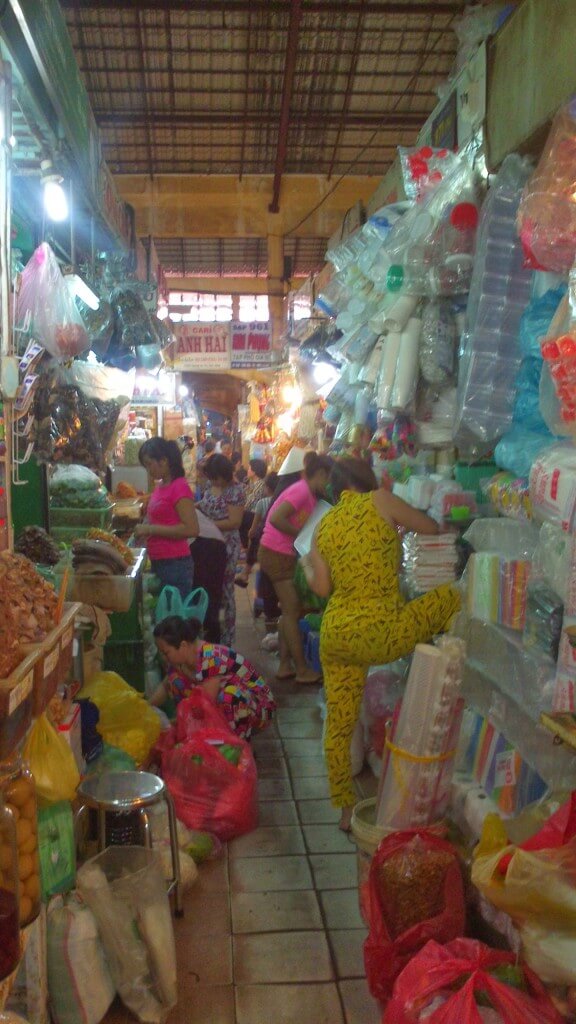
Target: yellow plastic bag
[(538, 886), (126, 719), (51, 762)]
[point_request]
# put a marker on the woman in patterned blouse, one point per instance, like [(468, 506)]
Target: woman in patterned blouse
[(225, 676)]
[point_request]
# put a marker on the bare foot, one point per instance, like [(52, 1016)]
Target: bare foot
[(285, 672), (308, 677), (345, 819)]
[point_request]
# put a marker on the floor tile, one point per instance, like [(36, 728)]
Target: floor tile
[(281, 813), (300, 730), (341, 909), (211, 909), (327, 839), (348, 947), (271, 767), (314, 787), (270, 874), (275, 911), (334, 870), (213, 876), (214, 1003), (265, 745), (299, 714), (299, 698), (312, 811), (303, 748), (283, 957), (268, 842), (274, 789), (288, 1004), (358, 1003), (202, 962), (299, 767)]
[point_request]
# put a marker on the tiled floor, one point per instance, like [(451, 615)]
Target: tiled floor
[(272, 931)]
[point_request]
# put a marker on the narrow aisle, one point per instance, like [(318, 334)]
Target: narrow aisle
[(273, 931)]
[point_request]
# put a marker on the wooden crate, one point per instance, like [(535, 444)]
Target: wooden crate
[(54, 658)]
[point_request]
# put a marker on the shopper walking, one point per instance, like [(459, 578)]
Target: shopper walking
[(260, 488), (209, 556), (277, 557), (171, 519), (354, 560), (223, 502), (226, 677)]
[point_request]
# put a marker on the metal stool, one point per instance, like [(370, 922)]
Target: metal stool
[(124, 793)]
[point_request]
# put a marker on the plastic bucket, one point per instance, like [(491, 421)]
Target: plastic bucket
[(367, 836)]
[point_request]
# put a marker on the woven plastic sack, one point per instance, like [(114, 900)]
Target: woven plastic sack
[(80, 987), (425, 877), (210, 792), (44, 296), (460, 979)]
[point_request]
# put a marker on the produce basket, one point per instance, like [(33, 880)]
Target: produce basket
[(85, 518), (16, 701)]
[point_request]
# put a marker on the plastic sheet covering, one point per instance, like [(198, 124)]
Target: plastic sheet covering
[(507, 538), (552, 558), (499, 291), (518, 449), (525, 675), (547, 213)]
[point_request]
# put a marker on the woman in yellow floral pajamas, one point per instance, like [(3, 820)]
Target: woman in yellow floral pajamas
[(355, 560)]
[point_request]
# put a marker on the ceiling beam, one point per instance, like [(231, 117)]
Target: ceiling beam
[(227, 7), (286, 101), (191, 119)]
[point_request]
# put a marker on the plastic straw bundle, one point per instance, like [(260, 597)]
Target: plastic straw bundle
[(417, 769)]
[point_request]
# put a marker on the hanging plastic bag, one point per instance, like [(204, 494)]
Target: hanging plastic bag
[(44, 295), (57, 849), (80, 987), (466, 982), (212, 778), (126, 891), (51, 762), (416, 893)]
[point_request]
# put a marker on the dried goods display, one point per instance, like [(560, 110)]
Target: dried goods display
[(412, 889), (68, 426), (38, 546), (109, 538), (27, 607)]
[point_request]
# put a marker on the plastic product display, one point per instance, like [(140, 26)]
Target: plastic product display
[(510, 495), (499, 291), (429, 561), (45, 298), (553, 486)]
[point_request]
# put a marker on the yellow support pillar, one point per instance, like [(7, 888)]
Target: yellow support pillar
[(275, 278)]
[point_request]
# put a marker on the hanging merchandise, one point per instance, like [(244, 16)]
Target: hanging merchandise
[(100, 325), (424, 168), (394, 437), (438, 342), (560, 355), (547, 214), (406, 374), (45, 300), (499, 290)]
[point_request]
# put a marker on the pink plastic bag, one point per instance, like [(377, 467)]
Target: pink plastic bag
[(55, 320), (474, 970), (210, 792), (408, 858)]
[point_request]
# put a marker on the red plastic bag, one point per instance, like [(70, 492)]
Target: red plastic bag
[(473, 969), (412, 873), (210, 793), (197, 712), (559, 830), (55, 319)]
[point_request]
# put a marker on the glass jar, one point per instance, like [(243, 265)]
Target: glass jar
[(10, 950), (19, 792)]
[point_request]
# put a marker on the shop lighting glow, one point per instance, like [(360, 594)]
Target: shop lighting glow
[(55, 200), (79, 287), (324, 373), (291, 394), (183, 391), (162, 312)]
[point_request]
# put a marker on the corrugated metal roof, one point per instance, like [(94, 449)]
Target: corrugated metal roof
[(235, 257), (200, 86)]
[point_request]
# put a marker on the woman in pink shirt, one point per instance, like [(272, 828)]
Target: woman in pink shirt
[(171, 520), (277, 558)]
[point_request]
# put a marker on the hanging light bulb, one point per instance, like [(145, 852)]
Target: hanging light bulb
[(55, 198)]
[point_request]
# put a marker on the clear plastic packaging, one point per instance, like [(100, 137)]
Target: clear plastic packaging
[(424, 168), (438, 342), (44, 296), (553, 486), (547, 213), (18, 789)]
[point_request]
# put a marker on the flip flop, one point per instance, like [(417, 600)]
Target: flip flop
[(281, 677), (309, 682)]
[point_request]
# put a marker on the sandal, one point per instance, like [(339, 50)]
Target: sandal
[(309, 682), (283, 676)]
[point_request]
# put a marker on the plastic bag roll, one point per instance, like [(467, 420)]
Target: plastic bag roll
[(407, 365), (399, 314), (390, 350)]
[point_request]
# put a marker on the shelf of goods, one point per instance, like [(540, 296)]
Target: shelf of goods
[(511, 686), (25, 693), (124, 650)]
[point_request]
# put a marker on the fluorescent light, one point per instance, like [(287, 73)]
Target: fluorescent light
[(324, 373), (79, 287), (55, 200), (183, 391)]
